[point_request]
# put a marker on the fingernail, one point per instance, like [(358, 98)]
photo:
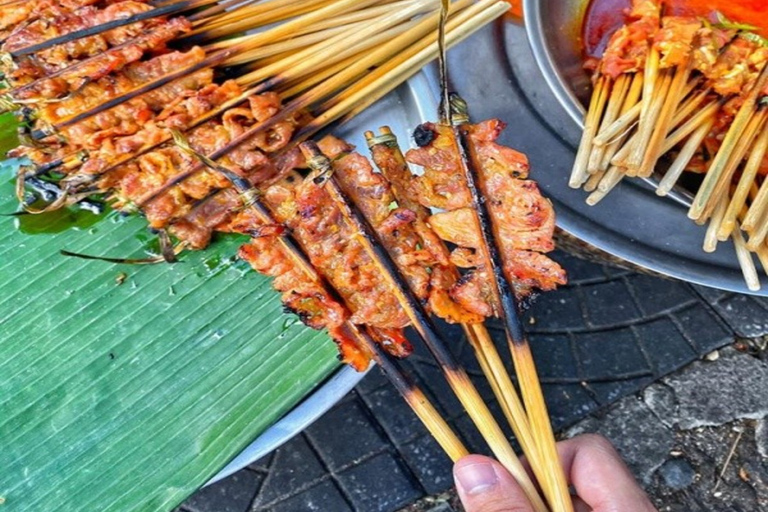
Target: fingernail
[(476, 478)]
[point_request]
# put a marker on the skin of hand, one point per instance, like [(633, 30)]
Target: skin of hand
[(602, 481)]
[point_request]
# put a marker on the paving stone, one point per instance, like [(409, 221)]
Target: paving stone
[(394, 415), (677, 474), (233, 494), (657, 295), (661, 400), (375, 379), (345, 434), (554, 357), (703, 330), (429, 463), (611, 353), (747, 316), (390, 489), (556, 312), (295, 467), (711, 295), (715, 393), (567, 403), (665, 345), (607, 392), (609, 304), (324, 497)]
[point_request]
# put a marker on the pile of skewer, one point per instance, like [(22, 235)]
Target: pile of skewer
[(196, 114), (693, 90)]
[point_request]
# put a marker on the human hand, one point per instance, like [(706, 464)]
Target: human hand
[(602, 481)]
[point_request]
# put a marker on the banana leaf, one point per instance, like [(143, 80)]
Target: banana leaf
[(125, 388)]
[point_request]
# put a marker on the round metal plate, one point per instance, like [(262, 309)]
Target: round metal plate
[(497, 73)]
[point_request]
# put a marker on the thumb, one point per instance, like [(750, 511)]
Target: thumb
[(485, 486)]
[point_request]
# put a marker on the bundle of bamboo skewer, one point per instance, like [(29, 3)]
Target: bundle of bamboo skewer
[(690, 91), (328, 60)]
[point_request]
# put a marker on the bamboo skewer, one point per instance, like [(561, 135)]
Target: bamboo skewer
[(748, 176), (715, 181), (620, 126), (759, 235), (591, 124), (613, 108), (738, 154), (648, 124), (415, 398), (457, 378), (485, 350), (758, 209), (760, 250), (664, 122), (710, 239), (530, 387), (702, 117), (249, 18), (632, 103), (378, 83), (684, 157), (746, 262)]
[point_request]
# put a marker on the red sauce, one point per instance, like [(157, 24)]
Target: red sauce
[(603, 17)]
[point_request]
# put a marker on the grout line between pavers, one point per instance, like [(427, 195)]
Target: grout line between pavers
[(331, 474), (684, 333), (580, 371), (399, 458), (582, 299), (386, 432), (267, 476), (639, 342), (633, 295)]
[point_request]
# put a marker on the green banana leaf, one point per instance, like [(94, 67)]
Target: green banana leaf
[(125, 388)]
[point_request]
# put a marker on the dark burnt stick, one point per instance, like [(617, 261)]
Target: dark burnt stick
[(455, 375), (528, 378), (410, 392), (166, 10)]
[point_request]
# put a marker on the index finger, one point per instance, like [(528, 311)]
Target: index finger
[(600, 476)]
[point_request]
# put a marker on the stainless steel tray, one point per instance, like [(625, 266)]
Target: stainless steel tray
[(497, 73), (402, 110)]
